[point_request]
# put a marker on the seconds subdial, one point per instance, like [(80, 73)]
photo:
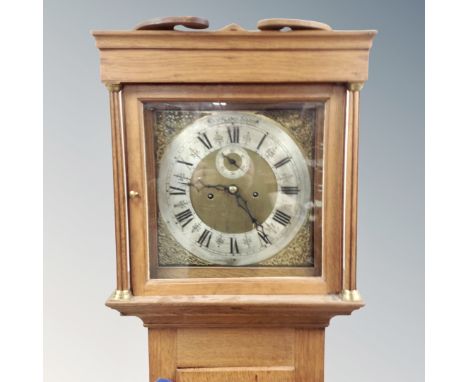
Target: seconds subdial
[(232, 161)]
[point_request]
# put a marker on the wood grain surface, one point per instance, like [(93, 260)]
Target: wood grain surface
[(233, 66), (235, 347), (229, 56), (237, 374), (237, 355), (162, 353), (247, 311)]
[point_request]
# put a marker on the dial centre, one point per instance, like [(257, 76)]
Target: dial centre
[(233, 161), (233, 189), (225, 211)]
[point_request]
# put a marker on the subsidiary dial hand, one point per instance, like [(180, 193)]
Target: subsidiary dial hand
[(231, 161)]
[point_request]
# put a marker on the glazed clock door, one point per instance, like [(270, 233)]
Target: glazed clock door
[(231, 182), (233, 187)]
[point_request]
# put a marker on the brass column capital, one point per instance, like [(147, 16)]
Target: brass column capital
[(350, 295), (355, 86), (113, 86), (121, 295)]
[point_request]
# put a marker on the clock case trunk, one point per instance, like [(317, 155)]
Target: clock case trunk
[(246, 329)]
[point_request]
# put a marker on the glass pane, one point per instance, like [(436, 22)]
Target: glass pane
[(235, 189)]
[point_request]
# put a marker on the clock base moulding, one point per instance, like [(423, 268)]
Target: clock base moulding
[(312, 311)]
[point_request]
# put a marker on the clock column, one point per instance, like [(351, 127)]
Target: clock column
[(120, 194), (350, 291)]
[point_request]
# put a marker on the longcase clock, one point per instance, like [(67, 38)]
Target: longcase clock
[(235, 188)]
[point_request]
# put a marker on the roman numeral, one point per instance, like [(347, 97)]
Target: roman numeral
[(282, 162), (234, 247), (184, 162), (176, 191), (290, 190), (204, 139), (184, 215), (261, 141), (281, 218), (264, 237), (205, 236), (233, 134)]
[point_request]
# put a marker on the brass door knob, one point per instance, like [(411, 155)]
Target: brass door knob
[(133, 194)]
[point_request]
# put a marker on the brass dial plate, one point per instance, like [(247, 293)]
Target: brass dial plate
[(261, 194)]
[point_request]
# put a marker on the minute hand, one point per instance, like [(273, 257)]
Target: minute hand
[(242, 203)]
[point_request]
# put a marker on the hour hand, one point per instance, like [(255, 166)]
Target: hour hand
[(219, 187)]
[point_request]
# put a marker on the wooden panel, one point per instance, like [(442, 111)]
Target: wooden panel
[(152, 204), (309, 355), (235, 347), (241, 374), (137, 207), (231, 286), (165, 66), (162, 353), (317, 193), (334, 142), (237, 355), (230, 92), (221, 272)]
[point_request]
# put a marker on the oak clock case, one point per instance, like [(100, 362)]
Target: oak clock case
[(235, 191)]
